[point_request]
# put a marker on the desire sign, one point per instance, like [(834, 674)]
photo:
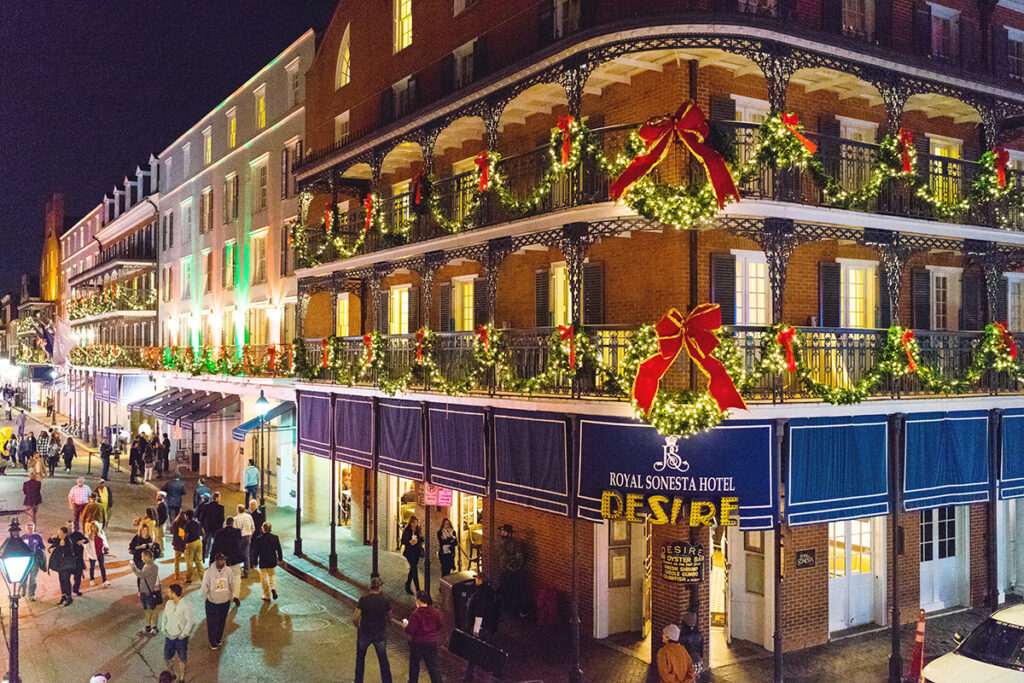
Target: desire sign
[(635, 506), (682, 562)]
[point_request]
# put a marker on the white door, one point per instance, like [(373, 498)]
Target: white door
[(939, 563), (747, 583), (850, 574)]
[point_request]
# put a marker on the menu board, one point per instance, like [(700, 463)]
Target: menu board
[(682, 562)]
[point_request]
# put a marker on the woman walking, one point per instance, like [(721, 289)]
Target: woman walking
[(149, 590), (142, 542), (64, 561), (412, 549), (37, 466), (95, 549), (33, 490), (447, 546), (69, 453)]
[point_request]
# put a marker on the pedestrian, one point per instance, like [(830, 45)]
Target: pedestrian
[(165, 454), (148, 578), (510, 565), (155, 446), (212, 520), (175, 490), (105, 499), (447, 546), (10, 458), (162, 515), (24, 452), (165, 677), (21, 424), (251, 481), (43, 443), (423, 627), (52, 452), (693, 641), (412, 549), (68, 452), (141, 542), (33, 490), (483, 609), (674, 665), (178, 621), (149, 462), (227, 542), (201, 490), (193, 546), (62, 561), (95, 550), (135, 459), (105, 453), (259, 516), (37, 466), (268, 554), (245, 525), (373, 611), (218, 587), (33, 444), (78, 498), (177, 532), (38, 549)]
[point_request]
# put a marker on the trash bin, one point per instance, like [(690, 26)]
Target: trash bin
[(454, 594)]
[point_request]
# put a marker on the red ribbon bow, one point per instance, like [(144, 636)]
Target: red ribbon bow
[(323, 343), (224, 352), (567, 332), (368, 203), (697, 332), (690, 126), (481, 333), (272, 352), (482, 161), (420, 334), (327, 219), (905, 339), (368, 343), (785, 338), (906, 142), (1002, 156), (419, 187), (791, 121), (564, 123), (1011, 346)]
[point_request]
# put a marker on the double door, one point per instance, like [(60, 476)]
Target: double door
[(941, 558), (851, 573)]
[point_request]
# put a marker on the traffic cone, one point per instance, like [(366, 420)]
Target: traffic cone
[(917, 659)]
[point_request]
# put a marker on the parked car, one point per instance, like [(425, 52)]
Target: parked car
[(992, 653)]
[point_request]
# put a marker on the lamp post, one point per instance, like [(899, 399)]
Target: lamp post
[(262, 406), (15, 563), (53, 396)]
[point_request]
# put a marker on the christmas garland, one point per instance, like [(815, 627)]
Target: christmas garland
[(113, 299)]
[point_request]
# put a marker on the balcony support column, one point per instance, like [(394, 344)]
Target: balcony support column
[(575, 243), (894, 260), (432, 262), (573, 79), (301, 304), (778, 66), (492, 119), (777, 239), (993, 263), (497, 250), (894, 93)]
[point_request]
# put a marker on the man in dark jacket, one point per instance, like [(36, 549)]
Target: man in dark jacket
[(78, 541), (211, 516), (483, 609), (165, 452), (175, 490), (267, 549), (135, 463), (259, 516), (105, 453), (228, 541)]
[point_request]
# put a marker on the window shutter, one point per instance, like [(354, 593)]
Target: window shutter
[(382, 304), (284, 173), (480, 301), (227, 209), (832, 16), (588, 13), (480, 65), (298, 152), (412, 94), (884, 310), (546, 22), (723, 285), (543, 304), (234, 198), (445, 323), (448, 74), (923, 148), (723, 108), (970, 39), (922, 31), (972, 151), (921, 296), (970, 301), (413, 318), (1002, 300), (1000, 48), (830, 294), (387, 106), (170, 229), (593, 293), (883, 22), (831, 148)]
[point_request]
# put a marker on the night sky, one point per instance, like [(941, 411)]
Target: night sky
[(89, 88)]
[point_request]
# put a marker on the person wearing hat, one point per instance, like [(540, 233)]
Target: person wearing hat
[(510, 567), (693, 641), (674, 664), (162, 512)]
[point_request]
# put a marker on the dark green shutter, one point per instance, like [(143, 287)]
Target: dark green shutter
[(387, 106), (1002, 301), (593, 293), (480, 301), (546, 22), (832, 16), (445, 322), (883, 22), (448, 74), (542, 300), (970, 43), (830, 294), (922, 28), (723, 285), (234, 198), (227, 208), (722, 108), (480, 63), (413, 312), (1000, 52), (884, 310), (921, 297), (829, 144), (382, 304), (970, 302), (588, 13)]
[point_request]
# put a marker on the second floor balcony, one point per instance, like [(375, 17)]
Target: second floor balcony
[(112, 300)]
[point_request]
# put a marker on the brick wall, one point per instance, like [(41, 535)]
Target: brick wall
[(979, 548), (805, 592)]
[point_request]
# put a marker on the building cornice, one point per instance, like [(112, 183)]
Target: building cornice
[(143, 211)]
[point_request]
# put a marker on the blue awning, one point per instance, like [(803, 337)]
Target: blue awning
[(151, 408), (401, 439), (838, 469), (200, 413), (239, 432), (197, 401), (315, 423), (531, 459), (946, 459), (41, 373), (353, 430), (168, 408), (150, 400), (1011, 468), (106, 387), (457, 457)]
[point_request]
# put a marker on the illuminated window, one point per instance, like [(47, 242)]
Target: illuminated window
[(945, 169), (859, 287), (558, 295), (261, 107), (403, 24), (186, 277), (945, 297), (398, 310), (259, 257), (343, 70), (462, 303), (207, 146), (341, 322), (207, 272), (836, 549), (752, 300), (227, 327), (849, 547), (232, 128)]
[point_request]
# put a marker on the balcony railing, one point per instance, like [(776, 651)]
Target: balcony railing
[(124, 299)]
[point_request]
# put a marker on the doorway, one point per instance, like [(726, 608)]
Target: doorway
[(853, 572), (343, 496), (468, 511), (943, 555), (622, 586)]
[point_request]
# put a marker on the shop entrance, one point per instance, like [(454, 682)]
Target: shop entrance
[(738, 601), (343, 495), (852, 570), (943, 557), (622, 585), (467, 517), (402, 494)]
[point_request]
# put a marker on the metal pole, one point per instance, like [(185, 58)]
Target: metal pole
[(995, 451), (576, 673), (264, 464), (374, 455), (896, 426), (13, 676), (425, 451), (332, 559), (781, 428), (298, 482)]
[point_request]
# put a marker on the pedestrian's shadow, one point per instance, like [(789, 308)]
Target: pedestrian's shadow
[(270, 631)]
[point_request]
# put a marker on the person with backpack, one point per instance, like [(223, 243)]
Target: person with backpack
[(150, 594), (63, 560)]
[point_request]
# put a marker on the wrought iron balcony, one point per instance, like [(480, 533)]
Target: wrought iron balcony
[(122, 299)]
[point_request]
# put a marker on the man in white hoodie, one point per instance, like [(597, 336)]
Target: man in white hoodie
[(179, 619), (218, 589)]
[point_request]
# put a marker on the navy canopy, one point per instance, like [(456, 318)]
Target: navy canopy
[(151, 408), (353, 430), (196, 415), (315, 423), (401, 439), (1011, 469), (150, 400), (106, 387), (166, 409), (946, 459), (196, 402), (457, 456), (41, 373), (239, 432), (530, 450), (838, 469), (736, 459)]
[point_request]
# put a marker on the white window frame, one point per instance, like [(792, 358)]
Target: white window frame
[(460, 285), (464, 63), (207, 271), (207, 145), (343, 68), (228, 266), (848, 127), (232, 128), (259, 171), (953, 277), (185, 268), (260, 95), (259, 256), (870, 292), (745, 257), (402, 38), (186, 221), (186, 160), (340, 120), (1014, 322), (294, 82), (748, 109), (343, 307), (398, 324)]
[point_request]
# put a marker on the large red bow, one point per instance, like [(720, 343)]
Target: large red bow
[(690, 126), (567, 332), (327, 219), (697, 332), (368, 203), (906, 142), (368, 342), (905, 339), (564, 124), (323, 343), (791, 121), (481, 334), (483, 162), (272, 352), (786, 339), (1011, 346), (1002, 156), (419, 187), (420, 334)]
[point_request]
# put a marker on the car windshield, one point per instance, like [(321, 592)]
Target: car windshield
[(995, 642)]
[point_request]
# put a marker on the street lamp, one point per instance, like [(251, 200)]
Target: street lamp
[(262, 407), (53, 396), (15, 563)]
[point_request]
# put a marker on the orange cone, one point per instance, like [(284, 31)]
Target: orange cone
[(917, 659)]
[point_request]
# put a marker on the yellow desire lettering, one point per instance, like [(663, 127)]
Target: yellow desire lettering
[(634, 502), (657, 504), (727, 507), (697, 514), (608, 510)]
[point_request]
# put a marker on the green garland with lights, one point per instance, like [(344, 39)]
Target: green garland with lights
[(112, 299)]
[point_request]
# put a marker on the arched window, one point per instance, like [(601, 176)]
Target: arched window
[(344, 71)]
